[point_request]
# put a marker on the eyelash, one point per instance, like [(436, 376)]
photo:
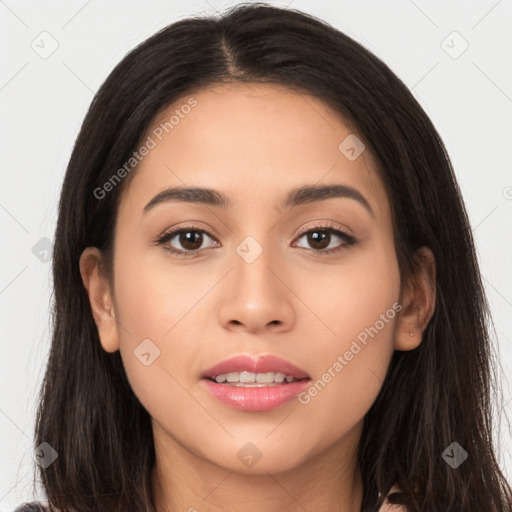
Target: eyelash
[(348, 240)]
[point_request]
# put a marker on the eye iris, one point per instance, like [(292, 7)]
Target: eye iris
[(319, 239), (193, 238)]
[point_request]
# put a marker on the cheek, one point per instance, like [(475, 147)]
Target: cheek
[(150, 306), (352, 296), (153, 295), (358, 305)]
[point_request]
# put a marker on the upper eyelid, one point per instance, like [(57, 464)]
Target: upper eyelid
[(330, 227), (173, 232)]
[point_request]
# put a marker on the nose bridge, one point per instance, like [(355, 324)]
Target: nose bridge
[(253, 295), (252, 262)]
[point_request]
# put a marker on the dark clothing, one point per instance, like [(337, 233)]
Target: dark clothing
[(33, 506)]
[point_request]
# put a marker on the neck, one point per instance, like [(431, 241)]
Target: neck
[(327, 481)]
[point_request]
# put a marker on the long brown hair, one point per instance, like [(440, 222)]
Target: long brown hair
[(432, 396)]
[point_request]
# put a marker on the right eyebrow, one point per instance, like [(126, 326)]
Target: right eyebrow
[(190, 195)]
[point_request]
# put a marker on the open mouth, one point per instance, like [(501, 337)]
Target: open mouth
[(254, 380), (255, 383)]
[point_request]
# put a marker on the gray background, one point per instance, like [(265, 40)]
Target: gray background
[(43, 98)]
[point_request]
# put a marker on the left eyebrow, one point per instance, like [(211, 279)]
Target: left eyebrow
[(309, 194), (295, 197)]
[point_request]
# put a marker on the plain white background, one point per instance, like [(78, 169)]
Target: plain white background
[(467, 92)]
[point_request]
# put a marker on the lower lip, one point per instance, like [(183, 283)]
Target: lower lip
[(257, 398)]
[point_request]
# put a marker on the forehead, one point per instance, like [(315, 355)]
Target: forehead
[(253, 142)]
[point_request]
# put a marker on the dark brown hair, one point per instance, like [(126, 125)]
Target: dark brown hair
[(432, 396)]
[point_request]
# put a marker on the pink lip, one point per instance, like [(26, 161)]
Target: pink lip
[(263, 364), (261, 398), (255, 399)]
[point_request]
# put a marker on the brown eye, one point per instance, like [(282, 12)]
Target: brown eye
[(190, 240), (324, 239), (186, 241), (318, 239)]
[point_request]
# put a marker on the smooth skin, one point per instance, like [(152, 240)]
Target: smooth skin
[(254, 143)]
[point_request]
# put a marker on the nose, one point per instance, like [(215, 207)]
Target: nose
[(255, 296)]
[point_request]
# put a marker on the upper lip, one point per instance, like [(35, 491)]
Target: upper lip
[(256, 364)]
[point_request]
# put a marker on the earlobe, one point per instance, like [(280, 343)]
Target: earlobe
[(418, 302), (100, 298)]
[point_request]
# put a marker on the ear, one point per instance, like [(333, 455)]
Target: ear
[(418, 301), (100, 298)]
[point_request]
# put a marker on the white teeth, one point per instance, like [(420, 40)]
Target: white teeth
[(247, 377), (253, 378), (265, 378)]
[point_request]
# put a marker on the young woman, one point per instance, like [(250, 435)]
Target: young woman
[(266, 289)]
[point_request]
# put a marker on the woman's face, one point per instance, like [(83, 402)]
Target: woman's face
[(258, 278)]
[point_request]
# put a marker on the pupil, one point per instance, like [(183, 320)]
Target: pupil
[(318, 239), (191, 239)]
